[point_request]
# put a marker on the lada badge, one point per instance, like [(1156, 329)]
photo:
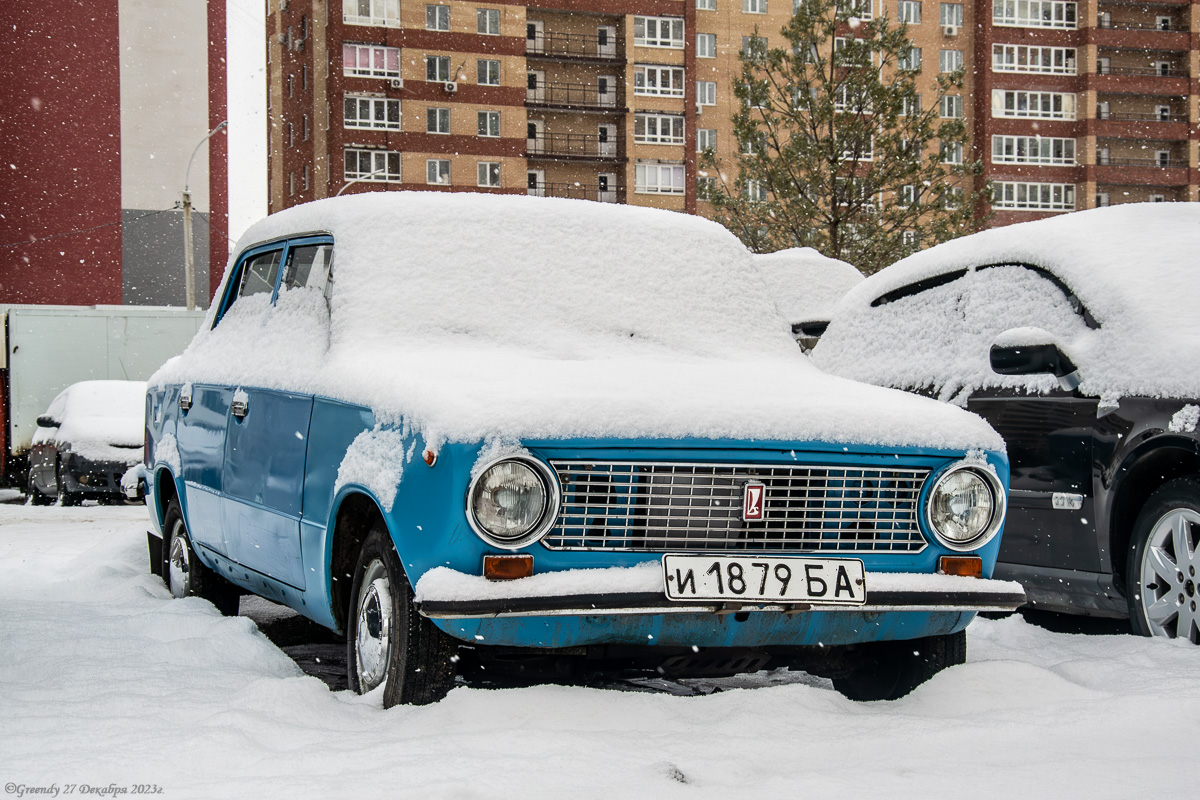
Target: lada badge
[(754, 497)]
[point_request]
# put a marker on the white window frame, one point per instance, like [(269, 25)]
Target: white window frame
[(437, 171), (1061, 14), (484, 19), (649, 178), (908, 11), (706, 45), (372, 106), (706, 139), (370, 51), (952, 106), (487, 124), (862, 9), (1039, 59), (665, 32), (754, 6), (1020, 104), (1050, 150), (706, 93), (483, 69), (951, 14), (381, 162), (443, 75), (437, 118), (1033, 196), (658, 128), (437, 17), (951, 152), (648, 80), (706, 5), (756, 191), (950, 60), (487, 174), (911, 60), (1156, 197), (380, 13)]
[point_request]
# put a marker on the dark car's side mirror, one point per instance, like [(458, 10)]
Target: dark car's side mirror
[(46, 421), (1031, 351)]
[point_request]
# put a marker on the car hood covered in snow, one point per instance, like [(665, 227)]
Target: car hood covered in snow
[(1135, 268), (805, 284), (472, 316)]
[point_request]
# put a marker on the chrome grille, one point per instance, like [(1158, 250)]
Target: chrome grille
[(627, 505)]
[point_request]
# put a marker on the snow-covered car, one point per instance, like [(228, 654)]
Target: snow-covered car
[(806, 286), (1078, 338), (510, 428), (91, 433)]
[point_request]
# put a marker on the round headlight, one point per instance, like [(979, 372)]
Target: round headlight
[(965, 508), (508, 502)]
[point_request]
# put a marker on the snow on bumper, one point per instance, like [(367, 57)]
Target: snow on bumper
[(443, 593)]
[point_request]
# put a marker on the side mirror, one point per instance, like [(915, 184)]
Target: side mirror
[(46, 421), (1033, 351)]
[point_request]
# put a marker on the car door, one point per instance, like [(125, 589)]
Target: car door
[(266, 444)]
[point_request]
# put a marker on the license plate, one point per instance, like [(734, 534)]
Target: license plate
[(760, 579)]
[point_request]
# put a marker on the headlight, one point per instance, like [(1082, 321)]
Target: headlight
[(511, 502), (966, 507)]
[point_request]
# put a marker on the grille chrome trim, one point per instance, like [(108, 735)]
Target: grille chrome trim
[(644, 506)]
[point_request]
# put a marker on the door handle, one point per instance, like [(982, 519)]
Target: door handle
[(240, 407)]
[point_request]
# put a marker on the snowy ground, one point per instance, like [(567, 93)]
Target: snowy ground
[(106, 681)]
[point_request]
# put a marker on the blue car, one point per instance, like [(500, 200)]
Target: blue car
[(511, 432)]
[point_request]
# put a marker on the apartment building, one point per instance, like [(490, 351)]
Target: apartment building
[(1070, 104)]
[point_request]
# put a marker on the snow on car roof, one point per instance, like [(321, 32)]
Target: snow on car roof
[(805, 284), (1135, 268), (99, 415), (473, 316)]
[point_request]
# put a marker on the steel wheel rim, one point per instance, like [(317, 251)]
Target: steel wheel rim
[(373, 628), (179, 561), (1169, 591)]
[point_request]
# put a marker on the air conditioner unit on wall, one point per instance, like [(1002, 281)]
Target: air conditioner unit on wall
[(396, 83), (950, 30), (450, 86)]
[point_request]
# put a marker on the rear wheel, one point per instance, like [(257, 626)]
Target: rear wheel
[(1163, 579), (183, 573), (36, 498), (65, 497), (388, 643), (890, 670)]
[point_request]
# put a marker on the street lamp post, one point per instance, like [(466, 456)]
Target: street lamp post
[(350, 183), (189, 263)]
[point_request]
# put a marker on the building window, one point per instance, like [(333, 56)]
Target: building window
[(371, 12), (304, 77), (706, 5), (952, 106), (754, 46), (1102, 200), (437, 68), (487, 72), (1031, 58), (706, 186), (754, 6), (857, 151), (291, 184), (437, 171), (862, 9), (658, 178), (1033, 105), (952, 152), (437, 120), (1033, 150), (706, 139), (437, 17), (909, 11), (291, 82), (487, 21), (661, 81), (489, 123), (1034, 13), (1034, 196), (1158, 198), (305, 175), (371, 112), (658, 32), (951, 15), (951, 61), (372, 165), (370, 61), (488, 173), (908, 195), (756, 191), (706, 45), (304, 126), (657, 129), (911, 60), (706, 93), (291, 135)]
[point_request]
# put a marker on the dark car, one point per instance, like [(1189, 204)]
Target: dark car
[(87, 439), (1078, 338)]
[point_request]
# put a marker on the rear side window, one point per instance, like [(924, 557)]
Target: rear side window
[(259, 274), (309, 267)]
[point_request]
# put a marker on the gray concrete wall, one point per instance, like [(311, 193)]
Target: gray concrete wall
[(152, 258)]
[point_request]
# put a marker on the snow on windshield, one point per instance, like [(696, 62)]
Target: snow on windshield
[(1134, 268), (475, 316), (805, 284)]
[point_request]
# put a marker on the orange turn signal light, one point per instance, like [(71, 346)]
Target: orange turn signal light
[(507, 568), (966, 566), (430, 457)]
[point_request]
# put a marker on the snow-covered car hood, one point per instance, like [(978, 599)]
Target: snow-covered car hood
[(101, 420), (470, 317), (806, 285), (1135, 268)]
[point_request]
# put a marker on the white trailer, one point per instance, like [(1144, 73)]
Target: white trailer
[(44, 349)]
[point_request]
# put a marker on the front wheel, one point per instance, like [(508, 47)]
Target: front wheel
[(36, 498), (1164, 588), (890, 670), (182, 571), (388, 643)]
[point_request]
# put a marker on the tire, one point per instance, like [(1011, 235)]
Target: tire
[(65, 498), (36, 498), (387, 642), (182, 571), (1164, 565), (890, 670)]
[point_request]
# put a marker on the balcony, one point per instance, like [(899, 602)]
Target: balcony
[(601, 47), (1140, 116), (603, 193), (1138, 172), (575, 147), (1139, 36), (1163, 126), (1158, 72), (1161, 80), (602, 96), (1109, 161)]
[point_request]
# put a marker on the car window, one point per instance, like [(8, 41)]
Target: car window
[(259, 274), (309, 267)]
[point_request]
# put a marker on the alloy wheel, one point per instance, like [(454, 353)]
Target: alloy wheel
[(1169, 584)]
